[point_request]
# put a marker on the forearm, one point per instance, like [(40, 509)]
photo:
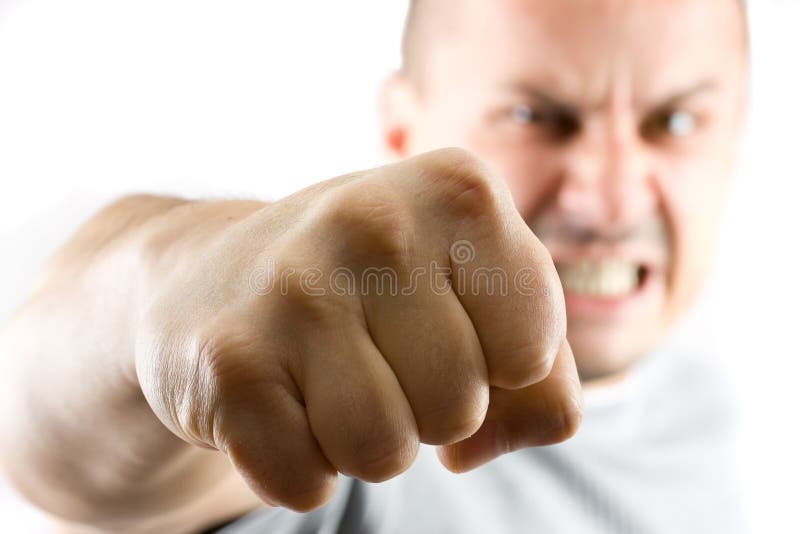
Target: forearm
[(78, 437)]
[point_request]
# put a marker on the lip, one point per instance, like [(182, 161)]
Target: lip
[(652, 257)]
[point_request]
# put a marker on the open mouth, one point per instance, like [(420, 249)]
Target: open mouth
[(605, 278)]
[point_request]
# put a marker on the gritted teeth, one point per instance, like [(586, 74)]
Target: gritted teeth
[(603, 278)]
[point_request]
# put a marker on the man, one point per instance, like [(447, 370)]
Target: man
[(204, 358)]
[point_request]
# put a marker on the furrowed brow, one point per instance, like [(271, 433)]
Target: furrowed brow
[(534, 93), (676, 97)]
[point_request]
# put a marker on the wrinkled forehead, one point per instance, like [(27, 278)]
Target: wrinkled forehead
[(587, 50)]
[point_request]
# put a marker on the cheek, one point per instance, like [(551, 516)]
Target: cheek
[(692, 195)]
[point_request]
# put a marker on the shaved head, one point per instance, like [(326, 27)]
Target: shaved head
[(614, 123), (415, 34), (427, 20)]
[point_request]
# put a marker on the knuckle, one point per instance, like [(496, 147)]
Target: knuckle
[(523, 365), (565, 421), (452, 159), (295, 296), (571, 419), (301, 292), (466, 187), (450, 397), (299, 487), (223, 354), (304, 494), (551, 334), (456, 418), (570, 403), (378, 460), (369, 218), (230, 364), (530, 358)]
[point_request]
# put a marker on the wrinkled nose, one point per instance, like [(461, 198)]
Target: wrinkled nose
[(607, 181)]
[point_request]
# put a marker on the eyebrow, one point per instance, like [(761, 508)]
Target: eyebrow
[(539, 94), (703, 86)]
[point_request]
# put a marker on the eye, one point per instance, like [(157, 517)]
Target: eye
[(558, 124), (677, 124), (524, 114)]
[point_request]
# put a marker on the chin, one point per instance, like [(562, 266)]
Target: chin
[(609, 331), (604, 352)]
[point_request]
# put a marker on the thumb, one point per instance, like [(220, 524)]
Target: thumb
[(542, 414)]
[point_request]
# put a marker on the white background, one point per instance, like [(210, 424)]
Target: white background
[(247, 98)]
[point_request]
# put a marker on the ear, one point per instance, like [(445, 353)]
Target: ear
[(397, 111)]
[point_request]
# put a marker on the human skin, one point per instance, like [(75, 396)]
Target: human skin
[(160, 347), (585, 109), (156, 346)]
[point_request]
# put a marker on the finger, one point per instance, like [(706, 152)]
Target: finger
[(357, 409), (260, 422), (430, 344), (542, 414), (424, 334), (501, 273)]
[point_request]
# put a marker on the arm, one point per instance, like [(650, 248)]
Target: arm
[(146, 348), (78, 437)]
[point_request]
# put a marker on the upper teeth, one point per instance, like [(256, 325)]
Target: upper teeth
[(599, 278)]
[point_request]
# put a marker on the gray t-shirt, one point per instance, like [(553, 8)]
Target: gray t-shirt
[(654, 455)]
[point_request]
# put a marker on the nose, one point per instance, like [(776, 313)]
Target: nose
[(607, 180)]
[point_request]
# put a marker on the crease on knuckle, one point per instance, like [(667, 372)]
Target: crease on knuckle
[(524, 364), (378, 462), (560, 421), (531, 360), (289, 485), (309, 498), (231, 365), (569, 418), (466, 187), (223, 355), (221, 366), (455, 420)]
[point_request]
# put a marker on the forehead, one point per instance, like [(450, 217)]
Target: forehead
[(586, 48)]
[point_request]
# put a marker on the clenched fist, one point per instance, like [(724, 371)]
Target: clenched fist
[(335, 330)]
